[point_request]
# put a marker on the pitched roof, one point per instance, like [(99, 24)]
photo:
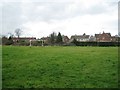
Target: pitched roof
[(24, 38), (98, 35), (66, 37)]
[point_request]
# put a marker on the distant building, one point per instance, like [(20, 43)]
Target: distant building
[(65, 39), (15, 39), (81, 38), (92, 39), (114, 38), (104, 37), (45, 39)]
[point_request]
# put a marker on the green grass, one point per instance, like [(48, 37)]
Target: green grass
[(60, 67)]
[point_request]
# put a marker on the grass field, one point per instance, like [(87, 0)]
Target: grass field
[(60, 67)]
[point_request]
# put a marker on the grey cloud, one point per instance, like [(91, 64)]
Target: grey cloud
[(52, 10), (11, 20), (100, 8), (15, 14), (58, 11), (97, 9)]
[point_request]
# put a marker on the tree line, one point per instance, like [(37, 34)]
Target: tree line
[(53, 39)]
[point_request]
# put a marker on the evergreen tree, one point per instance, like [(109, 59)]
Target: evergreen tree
[(59, 38), (10, 41)]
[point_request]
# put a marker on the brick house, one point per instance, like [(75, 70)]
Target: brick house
[(104, 37), (15, 39)]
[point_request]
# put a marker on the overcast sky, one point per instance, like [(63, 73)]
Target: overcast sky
[(39, 18)]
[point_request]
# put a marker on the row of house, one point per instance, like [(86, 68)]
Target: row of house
[(15, 39), (103, 37)]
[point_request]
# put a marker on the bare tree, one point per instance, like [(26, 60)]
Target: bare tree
[(53, 38), (18, 32)]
